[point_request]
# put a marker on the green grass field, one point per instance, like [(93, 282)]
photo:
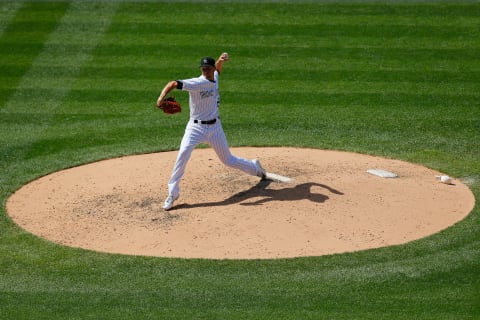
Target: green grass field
[(78, 81)]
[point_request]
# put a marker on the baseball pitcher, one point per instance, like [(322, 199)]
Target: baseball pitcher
[(204, 125)]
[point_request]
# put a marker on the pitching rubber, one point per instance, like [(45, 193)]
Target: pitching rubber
[(277, 177)]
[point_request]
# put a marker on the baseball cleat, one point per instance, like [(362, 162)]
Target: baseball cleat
[(261, 172), (169, 202)]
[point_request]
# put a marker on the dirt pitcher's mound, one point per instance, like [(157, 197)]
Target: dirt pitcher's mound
[(332, 205)]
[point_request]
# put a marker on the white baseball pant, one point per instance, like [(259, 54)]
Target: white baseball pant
[(213, 135)]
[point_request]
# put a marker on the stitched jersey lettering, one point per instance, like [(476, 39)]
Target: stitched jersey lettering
[(206, 94)]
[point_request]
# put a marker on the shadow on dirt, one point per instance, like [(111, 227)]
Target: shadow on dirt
[(260, 194)]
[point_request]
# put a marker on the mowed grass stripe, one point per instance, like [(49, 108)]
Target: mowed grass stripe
[(310, 18), (297, 40), (88, 87), (90, 33), (324, 30), (268, 60), (28, 97), (119, 74), (152, 36), (378, 100), (7, 13), (13, 66), (283, 51), (287, 12), (258, 97)]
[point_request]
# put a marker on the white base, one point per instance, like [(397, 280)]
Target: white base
[(382, 173)]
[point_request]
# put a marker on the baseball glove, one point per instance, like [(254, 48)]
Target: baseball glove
[(170, 106)]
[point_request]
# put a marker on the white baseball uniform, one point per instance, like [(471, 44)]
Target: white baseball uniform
[(204, 126)]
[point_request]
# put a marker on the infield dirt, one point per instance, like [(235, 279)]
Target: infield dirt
[(331, 206)]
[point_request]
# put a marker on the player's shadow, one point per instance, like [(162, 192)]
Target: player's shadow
[(260, 194)]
